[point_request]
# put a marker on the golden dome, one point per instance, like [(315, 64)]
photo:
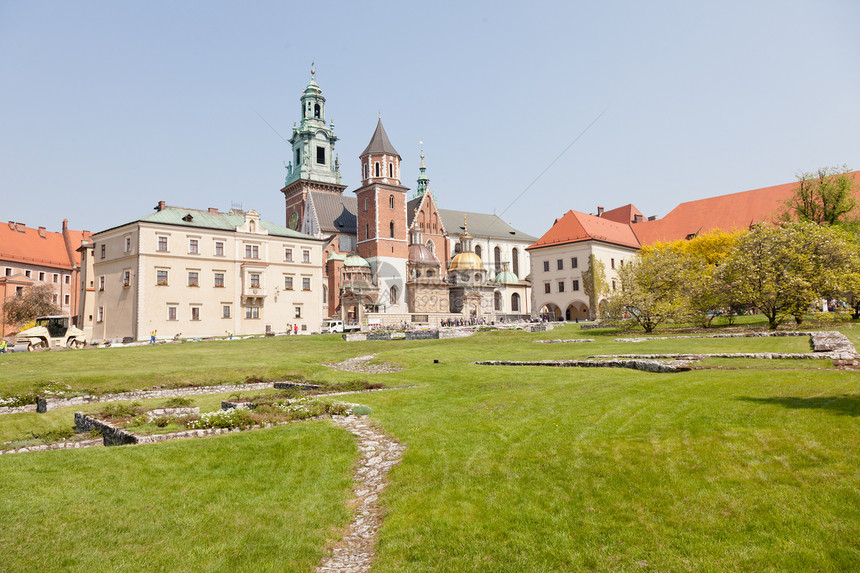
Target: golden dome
[(466, 261)]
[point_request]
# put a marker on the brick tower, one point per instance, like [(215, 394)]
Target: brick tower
[(381, 220)]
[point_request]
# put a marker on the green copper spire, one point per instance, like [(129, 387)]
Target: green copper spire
[(423, 181), (313, 141)]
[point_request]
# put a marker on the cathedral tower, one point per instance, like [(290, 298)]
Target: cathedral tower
[(313, 165), (381, 218)]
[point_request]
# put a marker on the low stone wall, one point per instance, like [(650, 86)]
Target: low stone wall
[(408, 335), (298, 385), (559, 341), (757, 355), (594, 325), (45, 404), (644, 365), (723, 335), (112, 435), (17, 409), (165, 412), (57, 446)]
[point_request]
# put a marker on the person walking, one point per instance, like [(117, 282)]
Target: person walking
[(2, 346), (152, 336), (296, 329)]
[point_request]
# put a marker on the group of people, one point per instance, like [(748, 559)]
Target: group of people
[(472, 321), (292, 329)]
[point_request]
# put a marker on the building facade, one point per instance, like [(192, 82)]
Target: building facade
[(192, 273)]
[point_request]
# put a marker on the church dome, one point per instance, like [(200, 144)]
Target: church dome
[(466, 261), (506, 277), (421, 255), (354, 260)]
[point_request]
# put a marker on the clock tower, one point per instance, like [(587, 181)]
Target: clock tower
[(313, 166)]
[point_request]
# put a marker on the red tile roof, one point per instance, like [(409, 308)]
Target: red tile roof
[(626, 214), (735, 211), (575, 227), (22, 244)]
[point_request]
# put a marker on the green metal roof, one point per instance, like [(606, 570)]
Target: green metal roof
[(208, 220)]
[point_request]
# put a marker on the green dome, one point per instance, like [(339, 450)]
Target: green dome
[(506, 278), (354, 260)]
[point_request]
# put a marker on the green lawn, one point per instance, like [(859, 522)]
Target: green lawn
[(506, 468)]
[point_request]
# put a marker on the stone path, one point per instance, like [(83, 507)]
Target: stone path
[(379, 453)]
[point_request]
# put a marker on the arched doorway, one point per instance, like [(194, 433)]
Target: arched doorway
[(551, 311), (576, 311)]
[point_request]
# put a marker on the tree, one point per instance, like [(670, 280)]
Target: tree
[(782, 271), (34, 302), (594, 284), (826, 197), (652, 289)]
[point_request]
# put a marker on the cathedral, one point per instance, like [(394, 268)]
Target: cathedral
[(390, 258)]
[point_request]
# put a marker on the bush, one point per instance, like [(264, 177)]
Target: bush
[(120, 411), (178, 402), (235, 418)]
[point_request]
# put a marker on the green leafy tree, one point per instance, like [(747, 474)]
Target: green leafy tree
[(594, 284), (33, 302), (825, 197), (652, 289), (783, 271)]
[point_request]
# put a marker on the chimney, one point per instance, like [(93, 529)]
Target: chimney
[(599, 211), (160, 206), (42, 232), (638, 218), (652, 218), (11, 225), (213, 209), (20, 227)]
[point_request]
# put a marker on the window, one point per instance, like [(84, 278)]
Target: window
[(288, 255), (28, 273), (366, 231), (306, 256), (195, 313), (219, 249), (252, 312), (575, 285), (497, 301), (391, 201), (288, 283), (306, 283), (255, 280), (320, 155), (365, 203), (41, 274), (126, 278), (162, 244), (392, 294), (317, 112), (67, 278), (171, 313), (102, 282), (8, 271), (391, 229), (56, 278), (546, 266), (252, 251), (297, 311), (613, 284), (67, 299), (55, 298), (612, 263), (560, 286), (560, 264), (103, 250), (515, 302), (515, 257), (128, 244), (365, 176), (574, 263), (100, 315), (298, 157), (478, 250), (219, 280), (193, 279), (546, 288), (161, 278), (193, 246), (391, 170), (621, 262), (376, 169), (225, 311)]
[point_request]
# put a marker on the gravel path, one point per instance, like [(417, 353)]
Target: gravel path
[(379, 453)]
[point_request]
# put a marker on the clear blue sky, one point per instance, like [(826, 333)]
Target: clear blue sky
[(108, 107)]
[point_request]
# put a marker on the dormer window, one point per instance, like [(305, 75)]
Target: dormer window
[(188, 218)]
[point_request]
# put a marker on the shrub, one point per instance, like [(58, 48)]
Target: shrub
[(178, 402), (120, 411), (55, 435), (16, 400), (361, 410), (235, 418)]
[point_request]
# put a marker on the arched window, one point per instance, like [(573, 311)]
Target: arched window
[(252, 226), (478, 250), (431, 246), (325, 294), (497, 301), (497, 263), (391, 170), (515, 261), (391, 201), (515, 302), (456, 248), (376, 169), (391, 229), (317, 111), (392, 294)]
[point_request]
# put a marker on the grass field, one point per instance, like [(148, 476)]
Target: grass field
[(506, 468)]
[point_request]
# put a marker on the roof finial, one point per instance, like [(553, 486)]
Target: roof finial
[(379, 113), (465, 225), (313, 71)]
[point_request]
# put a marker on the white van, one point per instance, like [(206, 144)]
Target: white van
[(331, 326)]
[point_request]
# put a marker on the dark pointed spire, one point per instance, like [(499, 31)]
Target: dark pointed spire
[(379, 143)]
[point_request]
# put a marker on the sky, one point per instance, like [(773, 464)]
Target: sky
[(525, 109)]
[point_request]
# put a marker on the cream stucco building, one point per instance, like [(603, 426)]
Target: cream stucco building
[(204, 273)]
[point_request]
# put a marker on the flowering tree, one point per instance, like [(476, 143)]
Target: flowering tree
[(34, 302), (826, 197)]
